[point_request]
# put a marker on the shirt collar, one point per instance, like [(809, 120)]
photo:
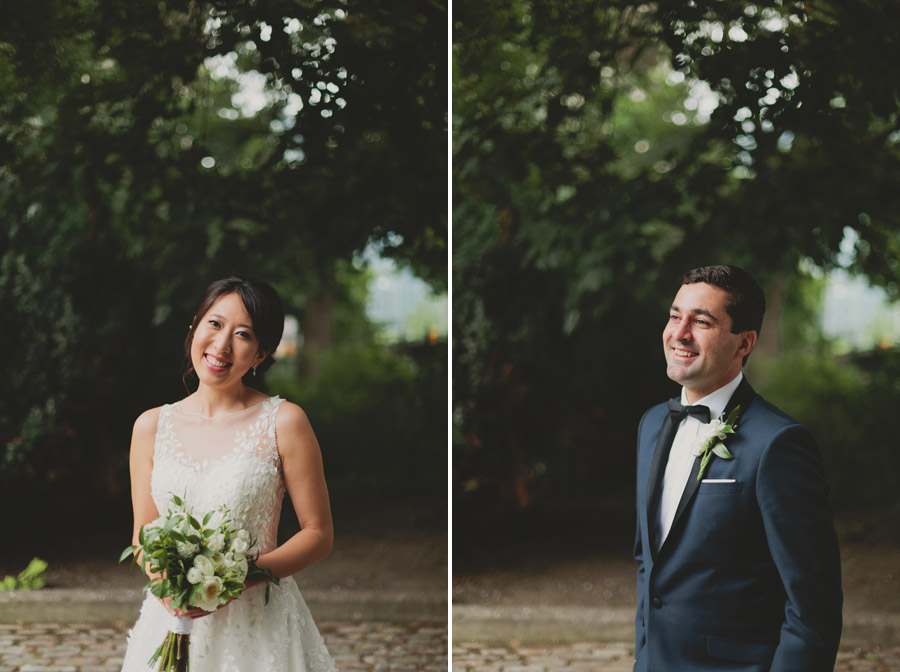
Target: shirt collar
[(718, 400)]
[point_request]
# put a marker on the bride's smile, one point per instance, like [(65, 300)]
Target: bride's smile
[(215, 363)]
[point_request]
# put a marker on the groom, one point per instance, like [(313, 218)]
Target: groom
[(738, 566)]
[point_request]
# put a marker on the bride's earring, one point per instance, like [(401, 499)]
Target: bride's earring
[(254, 370)]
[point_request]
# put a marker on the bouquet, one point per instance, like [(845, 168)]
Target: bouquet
[(197, 564)]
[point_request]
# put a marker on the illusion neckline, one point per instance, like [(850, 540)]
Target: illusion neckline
[(221, 415)]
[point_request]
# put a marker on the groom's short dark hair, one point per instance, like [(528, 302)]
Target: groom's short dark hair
[(746, 304)]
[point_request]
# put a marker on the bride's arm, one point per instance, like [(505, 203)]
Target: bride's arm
[(304, 479), (143, 439), (141, 465)]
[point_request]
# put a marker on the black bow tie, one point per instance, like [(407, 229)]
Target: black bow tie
[(677, 412)]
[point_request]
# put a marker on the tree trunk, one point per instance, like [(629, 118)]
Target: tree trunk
[(769, 343), (315, 326)]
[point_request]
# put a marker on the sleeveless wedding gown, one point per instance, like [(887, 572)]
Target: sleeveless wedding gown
[(232, 460)]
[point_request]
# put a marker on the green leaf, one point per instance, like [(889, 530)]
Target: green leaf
[(131, 550), (182, 600), (720, 450), (178, 501), (733, 416), (207, 518)]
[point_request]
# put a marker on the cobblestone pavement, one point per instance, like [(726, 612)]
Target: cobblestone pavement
[(356, 647), (471, 657), (480, 657)]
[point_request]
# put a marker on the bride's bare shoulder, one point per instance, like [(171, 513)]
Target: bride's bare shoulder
[(145, 425), (293, 429), (290, 417)]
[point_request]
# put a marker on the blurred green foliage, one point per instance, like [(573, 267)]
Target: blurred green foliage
[(30, 578), (380, 415), (846, 402), (137, 165), (603, 149)]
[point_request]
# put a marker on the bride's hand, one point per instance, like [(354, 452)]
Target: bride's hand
[(191, 612)]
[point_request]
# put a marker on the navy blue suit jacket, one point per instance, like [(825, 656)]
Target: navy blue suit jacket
[(749, 576)]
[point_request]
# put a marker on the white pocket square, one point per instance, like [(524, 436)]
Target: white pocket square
[(718, 480)]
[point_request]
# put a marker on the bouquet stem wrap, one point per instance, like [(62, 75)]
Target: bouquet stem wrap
[(173, 653), (181, 625)]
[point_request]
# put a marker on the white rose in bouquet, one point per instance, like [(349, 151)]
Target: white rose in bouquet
[(240, 546), (218, 561), (207, 597), (186, 549), (205, 565), (216, 542), (194, 575), (237, 566)]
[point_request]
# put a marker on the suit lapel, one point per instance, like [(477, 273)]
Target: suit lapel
[(743, 395), (657, 469)]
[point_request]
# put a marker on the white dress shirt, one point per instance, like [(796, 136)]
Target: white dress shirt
[(683, 454)]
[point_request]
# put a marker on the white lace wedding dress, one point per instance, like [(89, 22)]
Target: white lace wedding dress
[(232, 460)]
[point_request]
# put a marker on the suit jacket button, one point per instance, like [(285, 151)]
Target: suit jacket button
[(656, 602)]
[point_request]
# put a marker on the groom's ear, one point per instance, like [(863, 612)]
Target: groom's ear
[(748, 340)]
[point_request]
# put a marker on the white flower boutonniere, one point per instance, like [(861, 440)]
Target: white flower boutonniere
[(709, 441)]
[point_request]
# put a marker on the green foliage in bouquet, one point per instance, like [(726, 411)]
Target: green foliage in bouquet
[(31, 578), (172, 550)]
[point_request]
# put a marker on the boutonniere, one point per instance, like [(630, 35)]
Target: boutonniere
[(709, 441)]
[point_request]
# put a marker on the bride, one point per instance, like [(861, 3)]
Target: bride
[(229, 444)]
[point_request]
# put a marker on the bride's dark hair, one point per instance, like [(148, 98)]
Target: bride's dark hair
[(266, 312)]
